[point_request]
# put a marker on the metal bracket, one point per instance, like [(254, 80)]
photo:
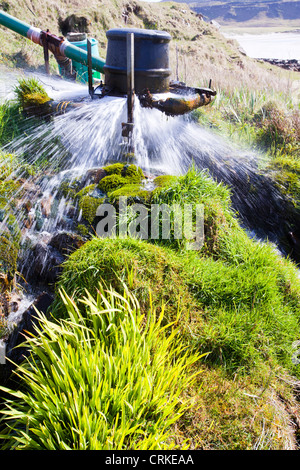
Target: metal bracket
[(90, 71), (127, 129)]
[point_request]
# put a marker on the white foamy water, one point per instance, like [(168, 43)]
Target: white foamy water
[(91, 136), (269, 46), (55, 86)]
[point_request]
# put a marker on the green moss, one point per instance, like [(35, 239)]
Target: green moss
[(114, 169), (88, 206), (87, 191), (8, 188), (68, 189), (164, 180), (35, 99), (145, 196), (133, 192), (82, 230), (129, 157), (133, 174), (30, 92), (9, 249), (8, 163), (3, 325), (111, 182), (10, 231)]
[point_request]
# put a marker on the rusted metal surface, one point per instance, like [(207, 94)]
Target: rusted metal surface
[(183, 100), (46, 53), (52, 43), (90, 71)]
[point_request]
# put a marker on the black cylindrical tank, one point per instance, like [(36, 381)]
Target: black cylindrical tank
[(151, 60)]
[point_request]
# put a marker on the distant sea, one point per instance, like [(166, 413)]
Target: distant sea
[(269, 46)]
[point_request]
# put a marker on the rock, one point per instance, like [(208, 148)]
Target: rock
[(215, 24), (13, 351), (43, 265), (93, 176), (288, 64), (27, 205), (47, 253), (47, 263), (66, 242), (46, 204)]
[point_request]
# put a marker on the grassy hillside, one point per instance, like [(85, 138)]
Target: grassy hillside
[(203, 53), (250, 13)]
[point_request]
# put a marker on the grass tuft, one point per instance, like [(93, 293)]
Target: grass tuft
[(107, 379)]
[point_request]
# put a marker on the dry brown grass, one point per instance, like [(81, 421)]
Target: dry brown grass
[(203, 52)]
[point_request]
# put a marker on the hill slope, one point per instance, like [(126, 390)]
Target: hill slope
[(203, 53), (258, 12)]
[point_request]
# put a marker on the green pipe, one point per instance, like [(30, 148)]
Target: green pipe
[(10, 22), (81, 56), (65, 48)]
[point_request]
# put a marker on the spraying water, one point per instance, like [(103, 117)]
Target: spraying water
[(89, 137)]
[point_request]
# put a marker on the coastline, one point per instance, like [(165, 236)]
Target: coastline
[(288, 64)]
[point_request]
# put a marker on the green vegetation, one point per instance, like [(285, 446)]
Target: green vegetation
[(119, 175), (29, 92), (3, 325), (163, 180), (88, 205), (237, 283), (108, 378), (111, 182), (10, 233), (133, 192), (267, 121), (107, 369)]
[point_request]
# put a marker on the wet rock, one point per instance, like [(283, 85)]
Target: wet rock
[(66, 242), (43, 265), (71, 211), (46, 204), (39, 220), (4, 304), (27, 205), (93, 176), (12, 343), (28, 222), (13, 306), (46, 266)]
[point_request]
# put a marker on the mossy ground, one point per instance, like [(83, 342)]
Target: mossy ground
[(237, 300), (119, 179), (10, 232), (247, 331)]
